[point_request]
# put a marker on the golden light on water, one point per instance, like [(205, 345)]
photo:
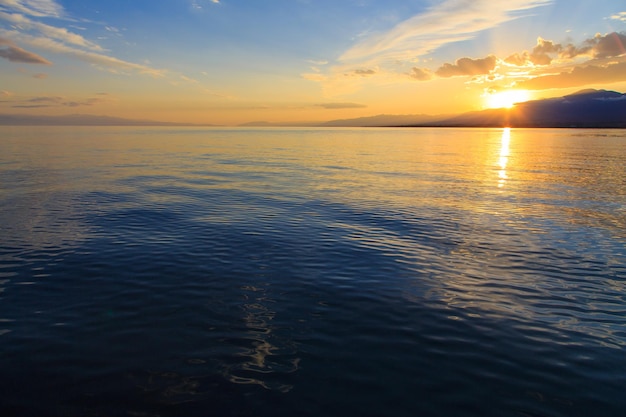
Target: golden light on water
[(504, 156), (507, 99)]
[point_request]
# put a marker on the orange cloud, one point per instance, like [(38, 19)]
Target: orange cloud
[(468, 66), (579, 76), (600, 46), (421, 74)]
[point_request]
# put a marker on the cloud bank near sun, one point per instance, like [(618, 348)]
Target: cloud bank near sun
[(548, 64)]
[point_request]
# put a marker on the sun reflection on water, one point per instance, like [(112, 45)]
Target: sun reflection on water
[(504, 156)]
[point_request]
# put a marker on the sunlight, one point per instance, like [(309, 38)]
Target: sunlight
[(504, 156), (506, 99)]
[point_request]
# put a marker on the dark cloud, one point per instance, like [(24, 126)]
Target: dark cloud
[(46, 99), (467, 66), (16, 54), (579, 76), (420, 74), (342, 105), (613, 44)]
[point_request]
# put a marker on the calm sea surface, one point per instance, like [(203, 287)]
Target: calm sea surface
[(179, 272)]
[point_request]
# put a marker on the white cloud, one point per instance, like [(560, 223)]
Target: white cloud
[(104, 61), (619, 16), (61, 34), (450, 21), (38, 8), (196, 4), (58, 39)]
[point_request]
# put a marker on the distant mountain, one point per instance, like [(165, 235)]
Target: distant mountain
[(586, 108), (384, 120), (259, 123), (78, 120)]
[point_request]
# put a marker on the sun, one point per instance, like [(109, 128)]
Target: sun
[(506, 99)]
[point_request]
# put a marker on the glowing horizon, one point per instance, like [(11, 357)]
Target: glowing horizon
[(507, 99), (226, 62)]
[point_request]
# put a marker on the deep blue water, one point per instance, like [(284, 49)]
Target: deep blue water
[(312, 272)]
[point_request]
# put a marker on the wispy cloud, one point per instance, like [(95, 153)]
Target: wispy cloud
[(39, 8), (578, 76), (56, 101), (59, 40), (619, 16), (450, 21), (390, 52), (8, 50), (103, 61), (60, 34), (335, 106), (197, 4)]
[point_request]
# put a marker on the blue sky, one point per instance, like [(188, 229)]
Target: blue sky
[(232, 61)]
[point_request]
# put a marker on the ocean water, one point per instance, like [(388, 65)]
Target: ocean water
[(312, 272)]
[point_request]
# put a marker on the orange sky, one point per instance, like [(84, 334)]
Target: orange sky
[(227, 62)]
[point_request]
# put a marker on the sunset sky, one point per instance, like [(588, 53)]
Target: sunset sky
[(236, 61)]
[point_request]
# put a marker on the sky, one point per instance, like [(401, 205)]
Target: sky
[(229, 62)]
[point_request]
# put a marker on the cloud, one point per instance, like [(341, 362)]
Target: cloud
[(56, 39), (613, 44), (16, 54), (57, 101), (61, 34), (363, 72), (104, 61), (545, 52), (619, 16), (40, 75), (467, 66), (334, 106), (450, 21), (421, 74), (195, 4), (578, 76), (38, 8)]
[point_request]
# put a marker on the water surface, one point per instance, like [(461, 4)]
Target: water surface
[(312, 272)]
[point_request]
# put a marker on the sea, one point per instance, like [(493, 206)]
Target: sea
[(312, 272)]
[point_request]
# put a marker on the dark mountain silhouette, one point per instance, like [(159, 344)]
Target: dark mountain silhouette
[(586, 108), (384, 120)]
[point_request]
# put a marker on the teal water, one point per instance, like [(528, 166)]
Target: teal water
[(312, 272)]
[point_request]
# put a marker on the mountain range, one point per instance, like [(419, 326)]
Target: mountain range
[(587, 108)]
